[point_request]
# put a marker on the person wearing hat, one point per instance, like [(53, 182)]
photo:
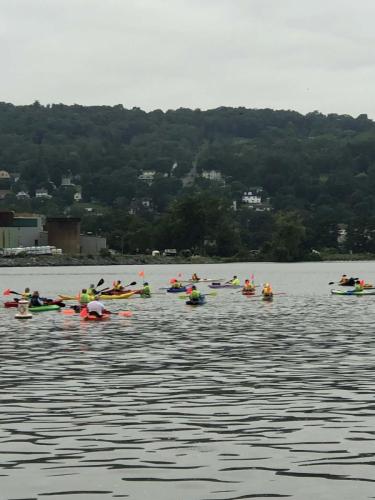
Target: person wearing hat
[(96, 308)]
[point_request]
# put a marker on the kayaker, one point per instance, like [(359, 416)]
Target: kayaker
[(343, 280), (35, 300), (248, 286), (358, 287), (26, 294), (235, 281), (267, 290), (96, 308), (84, 297), (117, 286), (146, 290), (195, 277), (195, 294), (175, 283), (91, 290)]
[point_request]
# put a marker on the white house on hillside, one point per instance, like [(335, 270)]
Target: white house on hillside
[(253, 196), (212, 175), (147, 176)]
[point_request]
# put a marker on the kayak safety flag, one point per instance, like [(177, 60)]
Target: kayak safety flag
[(141, 274)]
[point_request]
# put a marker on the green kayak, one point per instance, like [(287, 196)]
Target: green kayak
[(353, 292), (52, 307)]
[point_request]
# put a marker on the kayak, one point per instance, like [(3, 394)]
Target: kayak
[(102, 297), (205, 280), (91, 317), (199, 302), (353, 292), (118, 297), (177, 290), (56, 302), (225, 285), (52, 307), (248, 292), (267, 298)]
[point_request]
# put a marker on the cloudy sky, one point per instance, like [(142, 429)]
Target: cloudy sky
[(287, 54)]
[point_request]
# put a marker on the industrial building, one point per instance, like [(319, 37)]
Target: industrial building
[(30, 230)]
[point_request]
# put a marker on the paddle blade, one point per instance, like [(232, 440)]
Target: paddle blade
[(132, 283), (100, 282), (125, 314), (6, 292), (68, 312)]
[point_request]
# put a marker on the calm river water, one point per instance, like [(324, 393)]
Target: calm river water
[(238, 399)]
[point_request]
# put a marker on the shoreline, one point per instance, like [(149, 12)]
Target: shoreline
[(129, 260)]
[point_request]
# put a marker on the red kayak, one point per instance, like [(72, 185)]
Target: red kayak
[(248, 292), (92, 317), (56, 302)]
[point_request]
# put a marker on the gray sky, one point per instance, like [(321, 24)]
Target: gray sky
[(287, 54)]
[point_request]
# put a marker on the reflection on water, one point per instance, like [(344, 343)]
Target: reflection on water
[(238, 399)]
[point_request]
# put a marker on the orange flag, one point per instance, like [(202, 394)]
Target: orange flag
[(141, 274)]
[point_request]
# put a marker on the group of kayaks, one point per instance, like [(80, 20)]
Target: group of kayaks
[(361, 288)]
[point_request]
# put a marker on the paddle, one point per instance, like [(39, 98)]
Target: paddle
[(108, 288), (8, 292), (100, 282)]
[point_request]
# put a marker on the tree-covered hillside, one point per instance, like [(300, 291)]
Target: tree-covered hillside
[(178, 178)]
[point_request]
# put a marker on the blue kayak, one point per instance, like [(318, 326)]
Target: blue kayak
[(177, 290), (197, 302)]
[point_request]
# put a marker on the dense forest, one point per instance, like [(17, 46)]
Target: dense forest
[(143, 179)]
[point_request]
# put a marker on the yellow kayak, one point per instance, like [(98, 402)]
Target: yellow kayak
[(102, 297)]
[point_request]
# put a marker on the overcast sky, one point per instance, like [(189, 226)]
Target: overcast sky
[(304, 55)]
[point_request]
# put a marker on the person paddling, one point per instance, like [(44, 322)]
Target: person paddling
[(35, 300), (248, 286), (195, 277), (96, 308), (26, 293), (175, 283), (267, 290), (91, 290), (195, 294), (146, 290), (117, 286), (235, 281), (358, 287), (84, 298)]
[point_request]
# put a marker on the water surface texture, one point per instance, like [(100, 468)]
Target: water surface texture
[(238, 399)]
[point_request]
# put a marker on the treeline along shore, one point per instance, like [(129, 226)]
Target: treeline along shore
[(222, 182)]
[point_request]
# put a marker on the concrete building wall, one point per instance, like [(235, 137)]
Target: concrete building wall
[(64, 233), (92, 244), (13, 237)]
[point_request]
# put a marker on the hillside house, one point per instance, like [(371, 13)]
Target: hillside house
[(212, 175)]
